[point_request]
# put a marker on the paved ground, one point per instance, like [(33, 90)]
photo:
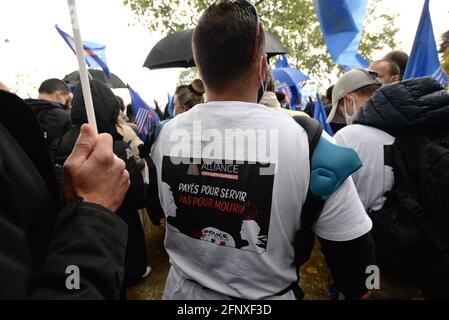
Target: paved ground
[(315, 278)]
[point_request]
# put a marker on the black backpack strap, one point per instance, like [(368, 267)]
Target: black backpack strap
[(313, 130), (388, 155)]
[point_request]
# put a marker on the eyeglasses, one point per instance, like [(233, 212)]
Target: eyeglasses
[(248, 4)]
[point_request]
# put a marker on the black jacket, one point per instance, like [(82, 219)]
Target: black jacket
[(39, 239), (420, 103), (106, 112), (53, 118)]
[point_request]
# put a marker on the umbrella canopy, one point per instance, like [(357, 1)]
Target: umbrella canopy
[(175, 50), (289, 76), (113, 83)]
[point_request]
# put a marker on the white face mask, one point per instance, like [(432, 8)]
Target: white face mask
[(263, 88), (263, 85), (350, 119)]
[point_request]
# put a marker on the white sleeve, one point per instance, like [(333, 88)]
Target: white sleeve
[(339, 138), (343, 217)]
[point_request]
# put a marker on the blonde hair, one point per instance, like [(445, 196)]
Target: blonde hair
[(192, 94)]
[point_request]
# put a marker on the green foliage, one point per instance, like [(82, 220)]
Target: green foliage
[(294, 22), (187, 76), (444, 41), (445, 61)]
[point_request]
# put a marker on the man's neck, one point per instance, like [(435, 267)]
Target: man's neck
[(47, 97), (232, 94)]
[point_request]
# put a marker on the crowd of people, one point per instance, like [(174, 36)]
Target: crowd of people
[(245, 184)]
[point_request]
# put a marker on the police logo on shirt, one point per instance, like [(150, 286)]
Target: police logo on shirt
[(227, 204)]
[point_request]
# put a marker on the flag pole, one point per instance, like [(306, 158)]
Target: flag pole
[(85, 85)]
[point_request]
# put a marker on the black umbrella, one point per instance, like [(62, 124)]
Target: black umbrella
[(175, 50), (113, 83)]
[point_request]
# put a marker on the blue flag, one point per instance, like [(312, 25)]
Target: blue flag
[(95, 53), (341, 22), (296, 97), (292, 77), (171, 105), (424, 59), (360, 62), (320, 115), (146, 118), (288, 77), (292, 94), (282, 62)]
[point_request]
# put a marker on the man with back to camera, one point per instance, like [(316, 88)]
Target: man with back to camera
[(228, 45), (52, 108), (401, 116), (350, 93)]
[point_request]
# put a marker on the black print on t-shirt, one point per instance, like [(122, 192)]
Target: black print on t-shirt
[(225, 203)]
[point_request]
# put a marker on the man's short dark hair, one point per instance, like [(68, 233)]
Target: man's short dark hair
[(400, 58), (223, 42), (52, 85)]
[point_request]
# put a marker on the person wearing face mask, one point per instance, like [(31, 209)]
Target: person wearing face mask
[(401, 135), (350, 93), (218, 186)]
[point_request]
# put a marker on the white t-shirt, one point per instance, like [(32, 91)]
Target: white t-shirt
[(374, 178), (231, 225)]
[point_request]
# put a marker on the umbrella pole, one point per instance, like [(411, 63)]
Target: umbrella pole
[(85, 85)]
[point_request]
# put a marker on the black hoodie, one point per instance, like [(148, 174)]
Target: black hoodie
[(420, 103), (107, 110), (54, 118), (106, 106)]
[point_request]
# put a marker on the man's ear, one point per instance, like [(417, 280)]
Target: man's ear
[(396, 78), (263, 68), (57, 95)]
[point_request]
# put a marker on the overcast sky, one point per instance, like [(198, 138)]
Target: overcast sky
[(35, 51)]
